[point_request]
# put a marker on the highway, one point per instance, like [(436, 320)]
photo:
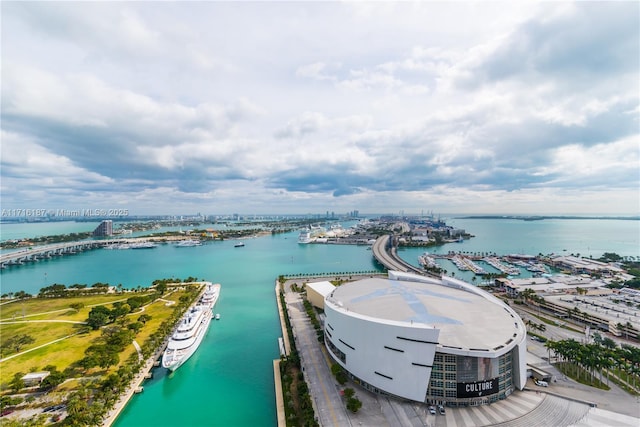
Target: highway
[(390, 259)]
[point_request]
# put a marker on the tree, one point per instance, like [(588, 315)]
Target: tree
[(22, 295), (54, 379), (103, 355), (135, 302), (144, 318), (339, 373), (608, 343), (77, 306), (116, 337), (135, 327), (120, 310), (98, 317), (354, 404), (162, 288), (18, 341), (17, 383)]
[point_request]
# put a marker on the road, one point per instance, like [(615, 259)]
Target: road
[(329, 407)]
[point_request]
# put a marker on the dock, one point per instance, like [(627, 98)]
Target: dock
[(146, 372)]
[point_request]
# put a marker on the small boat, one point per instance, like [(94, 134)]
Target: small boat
[(238, 245), (217, 316)]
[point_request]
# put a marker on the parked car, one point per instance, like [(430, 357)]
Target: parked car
[(441, 409), (432, 410), (7, 412), (541, 383)]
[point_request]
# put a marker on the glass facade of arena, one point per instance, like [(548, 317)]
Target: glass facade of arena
[(470, 381)]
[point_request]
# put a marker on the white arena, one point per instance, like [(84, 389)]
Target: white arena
[(439, 341)]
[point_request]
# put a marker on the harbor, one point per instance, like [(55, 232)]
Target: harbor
[(222, 362), (155, 361)]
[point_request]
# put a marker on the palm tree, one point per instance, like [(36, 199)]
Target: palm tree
[(550, 345)]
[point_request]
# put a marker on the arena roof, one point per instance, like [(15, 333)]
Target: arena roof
[(468, 318)]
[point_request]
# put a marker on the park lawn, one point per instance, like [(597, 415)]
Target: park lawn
[(61, 354), (38, 306), (159, 311), (42, 332)]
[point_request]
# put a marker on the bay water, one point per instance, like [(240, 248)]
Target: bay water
[(229, 380)]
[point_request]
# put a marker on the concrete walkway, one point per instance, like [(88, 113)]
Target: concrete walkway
[(325, 392)]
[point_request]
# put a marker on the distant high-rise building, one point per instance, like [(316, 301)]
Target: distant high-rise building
[(104, 229)]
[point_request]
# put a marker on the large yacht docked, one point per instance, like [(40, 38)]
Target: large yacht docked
[(191, 329), (188, 243)]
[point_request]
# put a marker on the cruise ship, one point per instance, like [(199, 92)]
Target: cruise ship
[(305, 237), (191, 329)]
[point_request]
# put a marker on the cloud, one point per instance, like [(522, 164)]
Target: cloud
[(209, 106)]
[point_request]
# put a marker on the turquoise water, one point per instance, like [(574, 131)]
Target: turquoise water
[(229, 381), (588, 237)]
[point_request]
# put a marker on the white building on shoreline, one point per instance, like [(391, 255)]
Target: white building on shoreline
[(440, 341)]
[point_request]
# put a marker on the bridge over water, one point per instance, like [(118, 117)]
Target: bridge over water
[(385, 252), (36, 253)]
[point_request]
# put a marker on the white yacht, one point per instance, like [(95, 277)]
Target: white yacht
[(143, 245), (188, 243), (191, 329)]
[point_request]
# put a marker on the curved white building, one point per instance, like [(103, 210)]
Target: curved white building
[(429, 340)]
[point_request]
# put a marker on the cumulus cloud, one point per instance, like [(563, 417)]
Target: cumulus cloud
[(214, 104)]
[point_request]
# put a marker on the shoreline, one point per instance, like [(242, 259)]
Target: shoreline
[(136, 385)]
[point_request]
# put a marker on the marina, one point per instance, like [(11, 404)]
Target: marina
[(222, 362), (499, 265)]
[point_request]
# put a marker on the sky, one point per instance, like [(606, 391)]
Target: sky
[(305, 107)]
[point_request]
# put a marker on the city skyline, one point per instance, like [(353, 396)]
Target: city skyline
[(285, 108)]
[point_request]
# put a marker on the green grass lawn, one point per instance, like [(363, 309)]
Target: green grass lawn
[(41, 332), (62, 354), (36, 306)]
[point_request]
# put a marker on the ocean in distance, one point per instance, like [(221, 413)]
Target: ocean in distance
[(229, 381)]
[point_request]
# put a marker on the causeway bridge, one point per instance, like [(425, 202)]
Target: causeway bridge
[(35, 253)]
